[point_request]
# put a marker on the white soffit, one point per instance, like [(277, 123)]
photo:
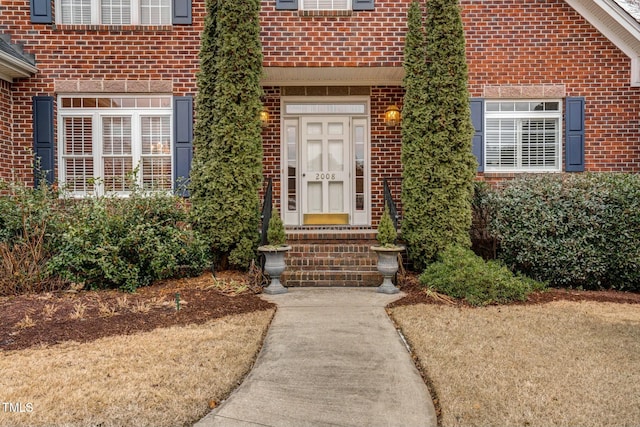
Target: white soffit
[(615, 24), (12, 68), (332, 76)]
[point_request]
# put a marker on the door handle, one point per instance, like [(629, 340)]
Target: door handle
[(304, 174)]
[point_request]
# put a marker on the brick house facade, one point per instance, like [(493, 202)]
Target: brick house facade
[(554, 87)]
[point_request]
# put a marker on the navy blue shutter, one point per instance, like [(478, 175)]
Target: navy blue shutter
[(574, 134), (286, 4), (41, 12), (43, 138), (363, 4), (183, 142), (181, 12), (477, 118)]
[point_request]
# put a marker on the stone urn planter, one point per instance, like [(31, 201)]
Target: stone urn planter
[(388, 266), (274, 253), (387, 253), (274, 266)]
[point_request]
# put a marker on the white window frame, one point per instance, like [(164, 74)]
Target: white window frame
[(96, 14), (523, 115), (96, 115)]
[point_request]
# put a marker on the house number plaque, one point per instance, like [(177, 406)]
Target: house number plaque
[(325, 176)]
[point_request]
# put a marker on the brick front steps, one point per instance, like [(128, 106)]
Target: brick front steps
[(331, 257)]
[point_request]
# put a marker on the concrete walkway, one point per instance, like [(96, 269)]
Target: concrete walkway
[(331, 357)]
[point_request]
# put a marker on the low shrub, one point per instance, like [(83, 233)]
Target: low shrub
[(127, 243), (572, 230), (460, 273)]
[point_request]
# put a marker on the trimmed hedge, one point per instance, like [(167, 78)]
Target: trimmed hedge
[(48, 241), (571, 230), (460, 273), (128, 243)]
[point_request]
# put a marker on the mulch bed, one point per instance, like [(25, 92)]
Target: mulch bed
[(416, 295), (88, 315), (48, 319)]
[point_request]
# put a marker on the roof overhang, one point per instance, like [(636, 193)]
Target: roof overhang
[(615, 24), (13, 68), (332, 76)]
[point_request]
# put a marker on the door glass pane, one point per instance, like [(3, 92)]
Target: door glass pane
[(336, 196), (336, 156), (314, 129), (359, 166), (291, 195), (314, 155), (314, 197), (292, 161), (335, 129), (325, 109)]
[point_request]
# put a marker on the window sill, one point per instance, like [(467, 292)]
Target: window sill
[(330, 13), (111, 28), (513, 174)]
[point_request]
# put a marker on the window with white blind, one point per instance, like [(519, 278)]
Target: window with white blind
[(325, 4), (153, 12), (114, 12), (110, 144), (523, 136)]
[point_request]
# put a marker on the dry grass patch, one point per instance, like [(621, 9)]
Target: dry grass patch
[(27, 322), (166, 377), (558, 364)]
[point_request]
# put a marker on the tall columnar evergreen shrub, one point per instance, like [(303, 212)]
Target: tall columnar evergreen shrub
[(227, 167), (436, 133)]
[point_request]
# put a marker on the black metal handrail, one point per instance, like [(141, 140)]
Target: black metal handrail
[(390, 203), (266, 211)]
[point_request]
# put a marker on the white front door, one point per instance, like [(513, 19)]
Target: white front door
[(325, 170), (325, 162)]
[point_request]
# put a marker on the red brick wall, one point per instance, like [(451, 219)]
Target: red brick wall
[(271, 144), (6, 124), (66, 52), (366, 38), (509, 42), (385, 149)]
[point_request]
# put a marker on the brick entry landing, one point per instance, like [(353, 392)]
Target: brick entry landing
[(328, 256)]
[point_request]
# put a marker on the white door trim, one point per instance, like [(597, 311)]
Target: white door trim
[(356, 112)]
